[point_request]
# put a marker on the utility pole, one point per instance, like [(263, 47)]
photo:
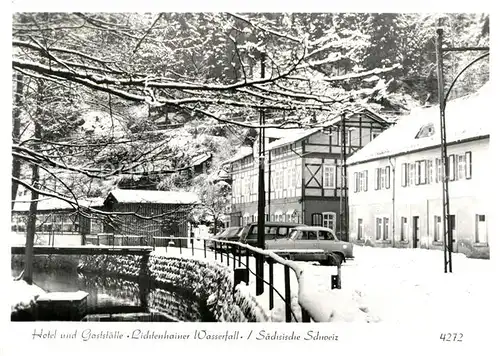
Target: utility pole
[(343, 186), (447, 228), (447, 238), (259, 259)]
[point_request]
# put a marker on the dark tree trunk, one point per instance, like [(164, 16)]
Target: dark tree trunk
[(35, 182), (16, 128)]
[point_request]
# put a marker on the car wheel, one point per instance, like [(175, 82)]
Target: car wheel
[(335, 259)]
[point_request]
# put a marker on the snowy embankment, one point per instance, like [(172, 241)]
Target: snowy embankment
[(22, 295), (206, 281)]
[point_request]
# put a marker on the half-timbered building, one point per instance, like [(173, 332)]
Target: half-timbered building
[(396, 193), (303, 172)]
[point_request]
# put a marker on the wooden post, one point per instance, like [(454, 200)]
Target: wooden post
[(305, 316), (248, 261), (205, 248), (240, 275), (271, 286), (288, 298)]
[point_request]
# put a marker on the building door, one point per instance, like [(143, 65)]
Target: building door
[(360, 229), (454, 233), (481, 229), (416, 231)]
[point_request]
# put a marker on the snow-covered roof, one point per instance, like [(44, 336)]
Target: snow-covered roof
[(466, 118), (47, 204), (292, 136), (201, 159), (153, 196)]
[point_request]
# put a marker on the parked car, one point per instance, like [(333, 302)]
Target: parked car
[(230, 234), (272, 230), (312, 243)]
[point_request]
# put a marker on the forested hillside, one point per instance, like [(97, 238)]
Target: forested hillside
[(103, 99)]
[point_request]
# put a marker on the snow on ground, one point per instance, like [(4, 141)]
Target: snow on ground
[(21, 294), (379, 285), (409, 285), (382, 285)]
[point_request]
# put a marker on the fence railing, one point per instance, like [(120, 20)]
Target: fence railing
[(233, 254), (238, 256)]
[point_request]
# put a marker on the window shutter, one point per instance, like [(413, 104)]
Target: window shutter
[(439, 168), (451, 167), (404, 174), (387, 177), (366, 180), (417, 173), (468, 165), (356, 182), (377, 178)]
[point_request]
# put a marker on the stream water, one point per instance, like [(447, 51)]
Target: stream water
[(123, 299)]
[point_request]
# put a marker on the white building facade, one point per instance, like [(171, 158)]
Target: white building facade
[(396, 194)]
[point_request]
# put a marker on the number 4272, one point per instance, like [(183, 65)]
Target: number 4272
[(457, 337)]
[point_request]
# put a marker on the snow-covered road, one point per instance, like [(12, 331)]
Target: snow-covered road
[(407, 285)]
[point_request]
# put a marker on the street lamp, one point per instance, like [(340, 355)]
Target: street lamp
[(447, 229)]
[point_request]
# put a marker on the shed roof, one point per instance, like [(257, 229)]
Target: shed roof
[(153, 196), (51, 204), (467, 117)]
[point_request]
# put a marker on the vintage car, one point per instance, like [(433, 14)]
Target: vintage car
[(272, 230), (231, 233), (312, 243)]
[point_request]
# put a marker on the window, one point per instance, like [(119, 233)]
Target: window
[(481, 230), (460, 167), (294, 176), (311, 235), (411, 174), (378, 228), (386, 228), (452, 167), (361, 181), (439, 170), (382, 178), (468, 165), (329, 220), (437, 228), (360, 229), (404, 228), (317, 219), (325, 235), (426, 131), (430, 171), (404, 174), (329, 176), (421, 174)]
